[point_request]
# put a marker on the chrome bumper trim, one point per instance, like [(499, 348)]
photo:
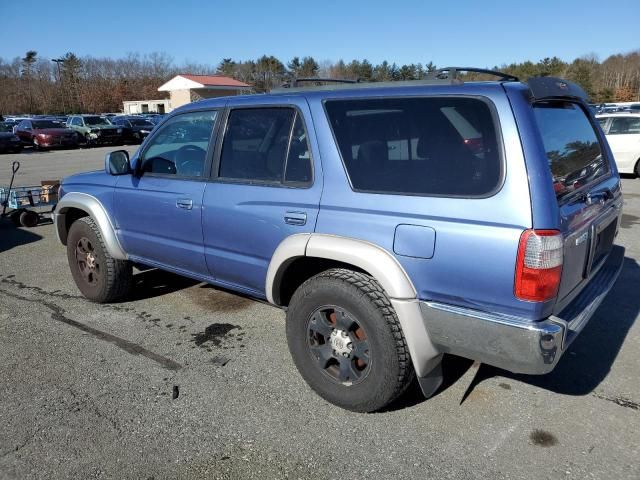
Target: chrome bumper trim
[(514, 343)]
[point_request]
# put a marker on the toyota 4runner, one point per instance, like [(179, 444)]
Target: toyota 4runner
[(393, 222)]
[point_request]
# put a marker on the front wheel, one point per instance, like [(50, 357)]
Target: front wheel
[(637, 168), (346, 341), (99, 277)]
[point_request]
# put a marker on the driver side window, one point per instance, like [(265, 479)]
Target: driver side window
[(180, 147)]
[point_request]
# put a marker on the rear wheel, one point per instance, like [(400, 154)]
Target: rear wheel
[(100, 277), (637, 168), (28, 218), (346, 341)]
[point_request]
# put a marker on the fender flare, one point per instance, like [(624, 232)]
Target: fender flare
[(380, 264), (98, 214)]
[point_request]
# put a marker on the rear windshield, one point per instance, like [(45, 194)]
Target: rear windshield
[(418, 146), (571, 144)]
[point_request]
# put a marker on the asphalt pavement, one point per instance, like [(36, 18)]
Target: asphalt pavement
[(187, 381)]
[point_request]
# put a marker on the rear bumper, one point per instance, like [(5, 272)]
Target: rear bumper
[(514, 343)]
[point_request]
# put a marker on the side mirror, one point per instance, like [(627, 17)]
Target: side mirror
[(117, 163)]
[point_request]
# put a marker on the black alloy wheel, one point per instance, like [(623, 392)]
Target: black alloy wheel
[(338, 345)]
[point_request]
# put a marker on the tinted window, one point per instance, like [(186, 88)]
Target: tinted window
[(77, 121), (572, 147), (140, 123), (45, 124), (298, 167), (96, 121), (256, 144), (421, 146), (180, 146), (624, 125)]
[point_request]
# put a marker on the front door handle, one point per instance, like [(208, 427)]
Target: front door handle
[(295, 218), (185, 203)]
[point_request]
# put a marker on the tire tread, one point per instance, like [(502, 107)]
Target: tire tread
[(373, 291)]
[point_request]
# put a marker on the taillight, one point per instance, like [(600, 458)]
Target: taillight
[(539, 265)]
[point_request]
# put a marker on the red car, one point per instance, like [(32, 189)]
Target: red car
[(42, 134)]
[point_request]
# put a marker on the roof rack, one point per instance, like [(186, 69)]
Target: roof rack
[(317, 81), (451, 73), (442, 76)]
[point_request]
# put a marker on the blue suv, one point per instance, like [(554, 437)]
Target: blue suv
[(393, 223)]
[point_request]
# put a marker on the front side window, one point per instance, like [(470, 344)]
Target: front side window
[(266, 145), (624, 126), (76, 121), (180, 146), (603, 123), (444, 146), (571, 144)]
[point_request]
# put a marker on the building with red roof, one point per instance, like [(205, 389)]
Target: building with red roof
[(187, 88)]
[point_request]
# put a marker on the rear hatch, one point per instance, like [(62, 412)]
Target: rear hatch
[(586, 188)]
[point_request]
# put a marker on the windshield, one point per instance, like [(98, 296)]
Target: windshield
[(45, 124), (141, 123), (96, 121), (571, 144)]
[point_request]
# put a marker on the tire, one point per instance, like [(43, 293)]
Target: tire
[(99, 277), (371, 365), (636, 170), (29, 218), (15, 217)]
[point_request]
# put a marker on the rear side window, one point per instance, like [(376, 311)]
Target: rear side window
[(266, 145), (571, 144), (446, 146)]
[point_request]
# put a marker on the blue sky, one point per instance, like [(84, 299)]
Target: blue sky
[(455, 32)]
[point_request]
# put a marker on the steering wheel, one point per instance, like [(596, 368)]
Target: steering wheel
[(190, 164)]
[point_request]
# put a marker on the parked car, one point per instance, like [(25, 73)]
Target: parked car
[(95, 130), (45, 134), (9, 141), (156, 119), (362, 211), (623, 134), (134, 129)]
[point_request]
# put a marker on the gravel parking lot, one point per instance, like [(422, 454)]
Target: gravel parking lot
[(187, 381)]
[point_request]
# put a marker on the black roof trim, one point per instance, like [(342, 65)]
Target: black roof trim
[(543, 88), (451, 73)]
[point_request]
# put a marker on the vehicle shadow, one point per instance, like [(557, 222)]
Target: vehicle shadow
[(150, 283), (590, 357), (12, 236), (582, 368)]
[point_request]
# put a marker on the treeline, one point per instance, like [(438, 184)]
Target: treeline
[(32, 84)]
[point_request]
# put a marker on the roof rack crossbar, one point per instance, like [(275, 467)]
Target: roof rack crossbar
[(452, 73)]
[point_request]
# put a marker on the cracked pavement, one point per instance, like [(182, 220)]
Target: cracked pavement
[(187, 381)]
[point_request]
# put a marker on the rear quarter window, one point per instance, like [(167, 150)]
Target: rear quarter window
[(573, 150), (442, 146)]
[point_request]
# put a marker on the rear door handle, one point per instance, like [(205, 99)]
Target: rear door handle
[(185, 203), (295, 218)]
